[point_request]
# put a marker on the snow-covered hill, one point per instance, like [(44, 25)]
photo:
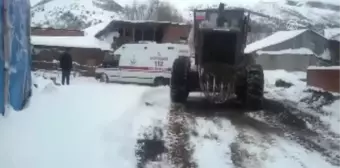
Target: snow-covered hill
[(293, 14), (286, 14), (274, 15), (76, 14)]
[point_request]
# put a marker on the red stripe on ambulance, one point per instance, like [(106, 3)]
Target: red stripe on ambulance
[(144, 69)]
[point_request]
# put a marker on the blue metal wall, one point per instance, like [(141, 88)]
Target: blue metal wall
[(2, 61), (20, 57)]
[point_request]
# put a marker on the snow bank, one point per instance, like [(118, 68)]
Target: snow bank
[(41, 84), (299, 51), (275, 38), (291, 154), (333, 116), (70, 41), (330, 114), (294, 93), (325, 55)]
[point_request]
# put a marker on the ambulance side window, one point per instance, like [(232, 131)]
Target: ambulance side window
[(111, 60), (116, 59)]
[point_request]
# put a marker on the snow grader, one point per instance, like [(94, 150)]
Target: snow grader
[(218, 66)]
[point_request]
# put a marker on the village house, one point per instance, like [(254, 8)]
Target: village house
[(293, 50), (119, 32), (86, 51), (333, 36), (301, 50), (328, 77), (90, 46)]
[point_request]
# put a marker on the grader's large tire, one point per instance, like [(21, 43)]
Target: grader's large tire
[(179, 85), (254, 87)]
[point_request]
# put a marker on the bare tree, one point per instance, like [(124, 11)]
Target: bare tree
[(153, 10), (153, 6), (136, 11)]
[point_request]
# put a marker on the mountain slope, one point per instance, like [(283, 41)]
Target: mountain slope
[(266, 16), (288, 14), (74, 14), (300, 14)]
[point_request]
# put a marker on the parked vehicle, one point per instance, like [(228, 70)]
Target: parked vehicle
[(222, 68), (142, 63)]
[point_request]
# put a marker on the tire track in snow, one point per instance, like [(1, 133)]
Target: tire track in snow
[(218, 136), (250, 147), (174, 142), (238, 139), (278, 123), (180, 149), (210, 139), (225, 134), (120, 135), (290, 123), (150, 147)]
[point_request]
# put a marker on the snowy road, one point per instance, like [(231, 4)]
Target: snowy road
[(90, 124)]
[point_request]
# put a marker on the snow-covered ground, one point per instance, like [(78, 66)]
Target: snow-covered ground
[(90, 124), (70, 126)]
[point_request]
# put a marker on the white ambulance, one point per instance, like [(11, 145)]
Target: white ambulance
[(142, 63)]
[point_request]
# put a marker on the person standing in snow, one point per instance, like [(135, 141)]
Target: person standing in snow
[(66, 65)]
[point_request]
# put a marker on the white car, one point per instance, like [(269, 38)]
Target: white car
[(148, 63)]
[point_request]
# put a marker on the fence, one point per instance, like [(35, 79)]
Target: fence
[(83, 70)]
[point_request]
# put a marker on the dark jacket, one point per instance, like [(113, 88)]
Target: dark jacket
[(65, 61)]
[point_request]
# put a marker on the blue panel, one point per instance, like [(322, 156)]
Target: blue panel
[(20, 69), (2, 62)]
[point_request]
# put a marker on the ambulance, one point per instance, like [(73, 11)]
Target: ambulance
[(141, 63)]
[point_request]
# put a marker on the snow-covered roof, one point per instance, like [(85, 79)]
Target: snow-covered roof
[(330, 33), (93, 30), (102, 26), (299, 51), (70, 41), (151, 21), (324, 67), (276, 38), (336, 37)]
